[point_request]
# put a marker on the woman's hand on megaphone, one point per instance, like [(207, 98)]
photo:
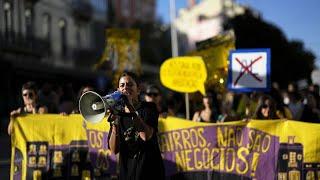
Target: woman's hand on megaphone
[(113, 119)]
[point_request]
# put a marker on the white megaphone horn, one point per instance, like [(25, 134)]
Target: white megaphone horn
[(92, 107)]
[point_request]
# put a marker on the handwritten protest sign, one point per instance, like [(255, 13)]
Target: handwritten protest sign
[(249, 70), (184, 74)]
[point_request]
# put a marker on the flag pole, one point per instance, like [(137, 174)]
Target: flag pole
[(174, 46)]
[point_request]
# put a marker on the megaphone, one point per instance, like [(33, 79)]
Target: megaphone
[(93, 107)]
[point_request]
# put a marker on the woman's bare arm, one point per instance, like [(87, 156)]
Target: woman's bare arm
[(114, 139)]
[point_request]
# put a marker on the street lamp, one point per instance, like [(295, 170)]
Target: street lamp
[(174, 46)]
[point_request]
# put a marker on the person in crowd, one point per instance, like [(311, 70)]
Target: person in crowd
[(82, 90), (171, 107), (315, 90), (175, 104), (207, 113), (266, 108), (310, 112), (133, 134), (67, 100), (282, 109), (292, 87), (295, 105), (247, 105), (242, 109), (30, 103), (48, 97), (227, 112), (153, 94)]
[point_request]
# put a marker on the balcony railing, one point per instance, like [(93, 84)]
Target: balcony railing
[(85, 57), (17, 43)]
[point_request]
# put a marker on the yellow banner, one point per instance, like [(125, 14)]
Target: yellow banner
[(55, 146), (215, 52), (122, 52)]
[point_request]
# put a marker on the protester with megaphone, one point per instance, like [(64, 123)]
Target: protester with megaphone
[(133, 133)]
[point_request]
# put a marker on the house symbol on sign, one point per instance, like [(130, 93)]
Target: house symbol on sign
[(247, 69)]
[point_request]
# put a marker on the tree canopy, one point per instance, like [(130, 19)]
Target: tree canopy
[(290, 61)]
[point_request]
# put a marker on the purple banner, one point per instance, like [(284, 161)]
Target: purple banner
[(230, 149), (101, 157)]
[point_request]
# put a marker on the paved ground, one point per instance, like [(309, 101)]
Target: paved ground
[(5, 154)]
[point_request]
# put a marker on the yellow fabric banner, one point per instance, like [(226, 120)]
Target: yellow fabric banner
[(121, 52), (55, 146), (215, 52)]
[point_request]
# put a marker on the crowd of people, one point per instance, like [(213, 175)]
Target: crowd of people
[(293, 103), (133, 131), (302, 104)]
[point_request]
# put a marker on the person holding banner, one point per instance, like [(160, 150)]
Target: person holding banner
[(31, 105), (133, 134), (153, 94), (266, 108), (208, 113)]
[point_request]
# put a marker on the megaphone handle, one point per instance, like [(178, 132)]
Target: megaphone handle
[(110, 118), (113, 119)]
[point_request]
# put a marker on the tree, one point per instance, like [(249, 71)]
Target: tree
[(155, 42), (289, 59)]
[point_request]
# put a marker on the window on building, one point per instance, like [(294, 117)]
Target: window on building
[(138, 9), (8, 19), (99, 5), (28, 22), (78, 35), (46, 26), (125, 4), (63, 36)]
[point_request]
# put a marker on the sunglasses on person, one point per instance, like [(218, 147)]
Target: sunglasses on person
[(265, 106), (152, 94), (29, 94)]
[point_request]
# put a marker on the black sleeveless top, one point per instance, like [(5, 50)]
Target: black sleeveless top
[(24, 109), (140, 159)]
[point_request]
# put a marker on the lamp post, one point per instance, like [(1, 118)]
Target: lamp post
[(174, 46)]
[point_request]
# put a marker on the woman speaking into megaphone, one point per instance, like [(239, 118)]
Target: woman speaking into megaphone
[(133, 134)]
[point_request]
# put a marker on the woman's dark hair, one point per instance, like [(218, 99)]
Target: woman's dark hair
[(30, 85), (261, 104), (132, 75), (80, 92)]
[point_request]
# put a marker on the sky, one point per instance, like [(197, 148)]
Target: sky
[(298, 19)]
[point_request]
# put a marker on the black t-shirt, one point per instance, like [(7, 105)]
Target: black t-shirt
[(140, 159), (24, 110)]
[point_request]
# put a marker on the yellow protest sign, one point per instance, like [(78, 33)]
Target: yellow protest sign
[(184, 74), (215, 52)]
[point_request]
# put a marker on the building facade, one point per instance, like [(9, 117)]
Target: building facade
[(45, 40), (54, 33), (202, 20), (128, 12)]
